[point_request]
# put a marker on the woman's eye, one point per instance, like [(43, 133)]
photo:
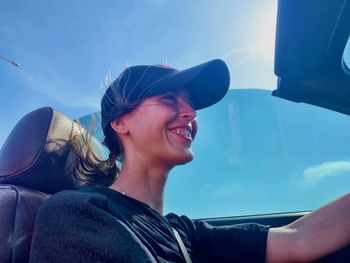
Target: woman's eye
[(171, 99)]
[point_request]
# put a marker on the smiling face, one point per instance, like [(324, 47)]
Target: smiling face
[(161, 130)]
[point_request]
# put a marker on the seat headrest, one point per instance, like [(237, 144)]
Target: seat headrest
[(38, 153)]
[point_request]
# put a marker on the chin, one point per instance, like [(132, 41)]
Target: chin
[(188, 157)]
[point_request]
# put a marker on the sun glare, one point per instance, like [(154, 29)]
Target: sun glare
[(255, 57), (265, 32)]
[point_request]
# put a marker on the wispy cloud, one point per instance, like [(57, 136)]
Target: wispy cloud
[(316, 173), (46, 79), (244, 52), (261, 41), (222, 191), (251, 60), (52, 87)]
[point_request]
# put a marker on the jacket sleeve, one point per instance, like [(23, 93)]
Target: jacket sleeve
[(71, 227), (230, 243)]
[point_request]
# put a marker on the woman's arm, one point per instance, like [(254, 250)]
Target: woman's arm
[(312, 236)]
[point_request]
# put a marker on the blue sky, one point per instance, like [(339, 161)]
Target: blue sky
[(69, 49)]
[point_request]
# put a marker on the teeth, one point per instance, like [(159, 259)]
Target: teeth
[(183, 132)]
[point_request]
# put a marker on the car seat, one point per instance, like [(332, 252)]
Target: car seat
[(36, 160)]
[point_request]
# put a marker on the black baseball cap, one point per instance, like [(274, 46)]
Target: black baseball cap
[(206, 84)]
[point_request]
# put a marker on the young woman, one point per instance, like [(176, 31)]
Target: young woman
[(149, 122)]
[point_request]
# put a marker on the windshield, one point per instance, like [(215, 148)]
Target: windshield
[(254, 153), (258, 154)]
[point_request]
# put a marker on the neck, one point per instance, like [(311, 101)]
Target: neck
[(143, 184)]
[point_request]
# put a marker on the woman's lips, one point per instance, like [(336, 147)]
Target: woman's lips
[(183, 131)]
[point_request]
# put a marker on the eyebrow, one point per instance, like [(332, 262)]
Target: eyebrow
[(170, 92), (186, 97)]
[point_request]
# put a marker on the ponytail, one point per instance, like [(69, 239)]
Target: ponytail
[(91, 169)]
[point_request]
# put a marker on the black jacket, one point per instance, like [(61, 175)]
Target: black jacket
[(101, 225)]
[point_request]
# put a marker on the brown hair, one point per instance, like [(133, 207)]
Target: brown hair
[(91, 168)]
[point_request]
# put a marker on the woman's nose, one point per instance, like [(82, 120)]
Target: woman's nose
[(186, 110)]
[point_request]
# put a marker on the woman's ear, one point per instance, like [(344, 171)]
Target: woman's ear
[(118, 125)]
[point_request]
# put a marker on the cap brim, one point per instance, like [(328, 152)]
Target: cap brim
[(206, 83)]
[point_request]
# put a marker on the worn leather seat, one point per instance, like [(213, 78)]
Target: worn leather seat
[(36, 160)]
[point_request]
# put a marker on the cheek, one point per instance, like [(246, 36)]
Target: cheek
[(151, 122), (136, 125), (145, 128)]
